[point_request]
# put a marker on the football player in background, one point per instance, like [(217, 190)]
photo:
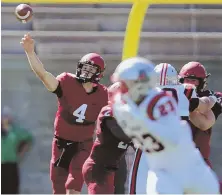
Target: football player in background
[(120, 178), (109, 147), (185, 95), (80, 99), (149, 116), (196, 74)]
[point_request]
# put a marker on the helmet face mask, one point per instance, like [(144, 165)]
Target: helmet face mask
[(90, 68), (199, 83), (87, 72), (193, 81)]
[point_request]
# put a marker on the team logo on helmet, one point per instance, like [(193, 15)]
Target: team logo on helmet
[(143, 76)]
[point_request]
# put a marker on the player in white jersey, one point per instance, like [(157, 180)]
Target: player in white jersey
[(185, 94), (150, 117)]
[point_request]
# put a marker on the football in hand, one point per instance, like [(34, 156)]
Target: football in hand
[(23, 13)]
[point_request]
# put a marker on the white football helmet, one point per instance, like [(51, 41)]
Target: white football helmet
[(136, 76), (166, 74)]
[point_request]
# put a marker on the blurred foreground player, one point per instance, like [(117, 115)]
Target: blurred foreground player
[(186, 97), (80, 99), (108, 149), (196, 74), (150, 117)]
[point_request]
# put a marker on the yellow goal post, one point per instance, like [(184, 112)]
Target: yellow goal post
[(135, 20)]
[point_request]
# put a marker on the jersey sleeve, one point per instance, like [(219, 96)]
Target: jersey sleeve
[(110, 124), (61, 78), (58, 91)]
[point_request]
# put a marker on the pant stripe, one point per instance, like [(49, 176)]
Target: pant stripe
[(134, 172)]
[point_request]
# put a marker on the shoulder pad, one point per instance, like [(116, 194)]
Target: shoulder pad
[(71, 75), (61, 76)]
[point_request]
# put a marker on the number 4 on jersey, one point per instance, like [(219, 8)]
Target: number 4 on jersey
[(80, 113)]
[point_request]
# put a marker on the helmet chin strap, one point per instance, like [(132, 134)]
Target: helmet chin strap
[(202, 85), (82, 80)]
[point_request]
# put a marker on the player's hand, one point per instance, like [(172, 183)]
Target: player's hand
[(28, 43)]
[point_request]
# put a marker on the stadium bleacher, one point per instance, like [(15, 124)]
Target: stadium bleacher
[(176, 30)]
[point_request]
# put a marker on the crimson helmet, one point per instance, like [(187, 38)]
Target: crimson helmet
[(194, 70), (91, 59)]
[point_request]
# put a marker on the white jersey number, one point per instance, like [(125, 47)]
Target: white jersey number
[(122, 145), (166, 108), (80, 113), (148, 143)]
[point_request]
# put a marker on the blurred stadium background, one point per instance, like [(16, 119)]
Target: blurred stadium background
[(172, 33)]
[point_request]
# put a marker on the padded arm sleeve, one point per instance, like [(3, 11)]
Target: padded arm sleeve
[(116, 130), (194, 103)]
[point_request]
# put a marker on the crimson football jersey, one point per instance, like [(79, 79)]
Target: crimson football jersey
[(111, 142), (77, 110), (202, 138)]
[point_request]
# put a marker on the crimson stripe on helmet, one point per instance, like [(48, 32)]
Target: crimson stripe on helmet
[(135, 171), (161, 75), (166, 67)]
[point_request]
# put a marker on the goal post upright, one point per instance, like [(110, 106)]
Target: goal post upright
[(134, 28), (136, 20)]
